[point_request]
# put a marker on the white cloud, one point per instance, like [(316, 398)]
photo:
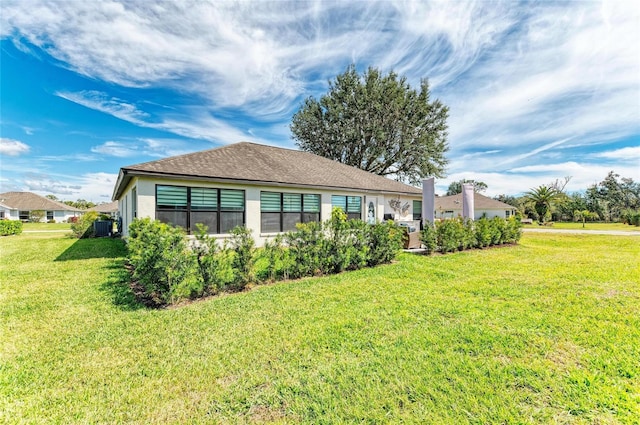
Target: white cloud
[(117, 149), (12, 147), (630, 153)]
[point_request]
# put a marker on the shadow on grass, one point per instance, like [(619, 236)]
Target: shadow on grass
[(84, 249), (119, 289)]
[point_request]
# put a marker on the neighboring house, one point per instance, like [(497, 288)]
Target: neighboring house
[(451, 206), (20, 205), (110, 209), (264, 188)]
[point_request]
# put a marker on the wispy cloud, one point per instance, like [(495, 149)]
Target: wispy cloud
[(528, 84), (631, 154), (12, 147)]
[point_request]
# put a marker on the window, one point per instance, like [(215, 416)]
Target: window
[(507, 213), (134, 202), (1, 215), (417, 210), (280, 212), (23, 215), (352, 205), (49, 215), (219, 209)]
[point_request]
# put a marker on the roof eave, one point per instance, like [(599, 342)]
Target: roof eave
[(125, 176)]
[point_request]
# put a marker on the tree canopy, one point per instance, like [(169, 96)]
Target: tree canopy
[(456, 187), (376, 123)]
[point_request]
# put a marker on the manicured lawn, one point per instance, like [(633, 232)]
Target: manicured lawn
[(46, 226), (545, 332), (588, 226)]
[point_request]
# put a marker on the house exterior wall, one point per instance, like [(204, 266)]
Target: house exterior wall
[(58, 215), (145, 189), (478, 213)]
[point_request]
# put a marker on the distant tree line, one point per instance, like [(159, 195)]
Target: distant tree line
[(614, 199), (80, 203)]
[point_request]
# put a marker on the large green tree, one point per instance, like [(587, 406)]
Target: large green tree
[(377, 123), (456, 187)]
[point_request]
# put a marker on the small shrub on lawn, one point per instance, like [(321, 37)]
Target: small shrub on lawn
[(243, 245), (429, 237), (83, 226), (483, 232), (162, 262), (385, 240), (10, 227)]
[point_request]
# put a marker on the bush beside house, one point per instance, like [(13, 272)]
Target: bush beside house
[(168, 268), (459, 234)]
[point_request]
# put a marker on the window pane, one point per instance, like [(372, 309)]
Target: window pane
[(353, 216), (309, 217), (171, 197), (417, 210), (176, 218), (229, 220), (354, 204), (270, 222), (311, 203), (270, 201), (209, 219), (289, 221), (291, 202), (204, 199), (339, 201), (231, 200)]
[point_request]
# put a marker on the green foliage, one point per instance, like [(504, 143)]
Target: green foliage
[(83, 226), (35, 216), (456, 187), (543, 199), (162, 262), (429, 237), (376, 123), (10, 227), (385, 241), (170, 270), (612, 196), (460, 234), (243, 245)]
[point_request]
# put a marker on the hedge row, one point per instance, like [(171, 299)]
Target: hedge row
[(10, 227), (459, 234), (169, 268)]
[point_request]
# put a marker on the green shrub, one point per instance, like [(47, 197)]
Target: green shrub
[(36, 216), (242, 244), (10, 227), (429, 237), (513, 230), (162, 262), (450, 235), (483, 232), (385, 241), (83, 226)]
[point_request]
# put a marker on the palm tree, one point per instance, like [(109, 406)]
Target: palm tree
[(542, 199)]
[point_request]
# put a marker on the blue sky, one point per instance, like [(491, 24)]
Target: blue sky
[(537, 90)]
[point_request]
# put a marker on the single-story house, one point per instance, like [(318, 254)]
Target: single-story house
[(451, 206), (110, 209), (18, 206), (266, 189)]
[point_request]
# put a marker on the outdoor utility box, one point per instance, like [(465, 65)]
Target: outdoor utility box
[(102, 228)]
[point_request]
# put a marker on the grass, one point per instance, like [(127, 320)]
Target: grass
[(545, 332), (45, 226), (588, 226)]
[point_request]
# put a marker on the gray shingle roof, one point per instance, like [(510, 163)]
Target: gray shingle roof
[(105, 208), (259, 164), (480, 202), (28, 201)]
